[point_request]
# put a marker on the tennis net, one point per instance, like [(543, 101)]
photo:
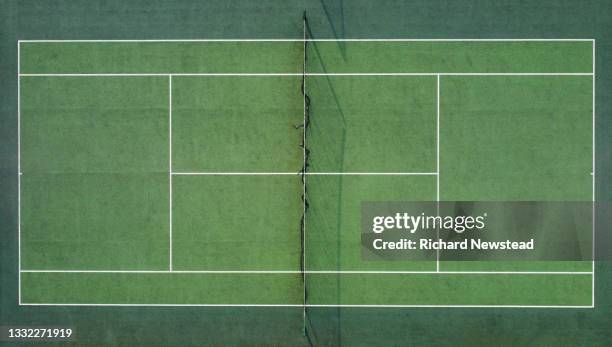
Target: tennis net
[(303, 174)]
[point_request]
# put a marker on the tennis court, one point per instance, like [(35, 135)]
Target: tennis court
[(173, 172)]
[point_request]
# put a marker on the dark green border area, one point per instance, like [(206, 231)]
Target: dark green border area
[(260, 326)]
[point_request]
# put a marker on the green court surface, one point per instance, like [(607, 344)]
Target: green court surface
[(166, 173)]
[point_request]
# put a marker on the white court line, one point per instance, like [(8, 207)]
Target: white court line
[(161, 74), (315, 40), (313, 305), (19, 171), (438, 164), (307, 173), (272, 74), (237, 173), (170, 170), (321, 74), (438, 138), (593, 178), (315, 272)]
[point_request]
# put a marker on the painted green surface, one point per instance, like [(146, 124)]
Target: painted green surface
[(94, 125), (163, 288), (236, 124), (280, 57), (94, 184), (449, 289), (94, 221), (519, 265), (236, 223), (434, 57), (333, 224), (161, 57), (501, 138), (372, 123), (516, 138), (327, 289)]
